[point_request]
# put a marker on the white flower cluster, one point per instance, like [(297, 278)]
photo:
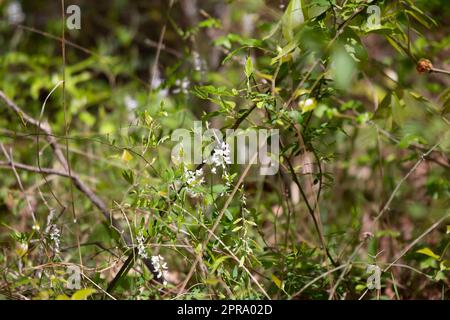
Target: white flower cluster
[(55, 236), (182, 86), (158, 83), (130, 103), (53, 231), (197, 61), (220, 157), (141, 247), (160, 268), (14, 13), (193, 179)]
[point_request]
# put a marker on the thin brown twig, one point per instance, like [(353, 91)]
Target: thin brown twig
[(412, 244), (397, 187)]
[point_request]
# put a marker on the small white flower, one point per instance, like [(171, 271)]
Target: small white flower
[(53, 231), (309, 102), (157, 83), (193, 179), (55, 236), (197, 61), (130, 103), (15, 13), (141, 247), (221, 156), (182, 85), (50, 218), (160, 268)]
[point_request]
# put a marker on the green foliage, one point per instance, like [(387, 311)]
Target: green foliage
[(354, 117)]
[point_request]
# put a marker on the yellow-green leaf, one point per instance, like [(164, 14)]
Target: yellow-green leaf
[(249, 67), (218, 262), (236, 229), (445, 265), (211, 281), (277, 282), (83, 294), (241, 261), (300, 92), (198, 249), (428, 252), (126, 156)]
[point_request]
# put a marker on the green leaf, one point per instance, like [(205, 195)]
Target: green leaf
[(241, 261), (342, 68), (428, 252), (198, 249), (249, 67), (237, 220), (293, 17), (218, 262), (229, 215), (398, 110), (219, 188), (277, 282), (83, 294), (235, 272), (250, 223), (317, 7), (407, 140), (87, 118), (128, 176), (283, 52), (296, 116), (441, 276), (360, 287), (232, 54), (395, 45), (420, 19), (211, 281), (236, 229), (444, 265)]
